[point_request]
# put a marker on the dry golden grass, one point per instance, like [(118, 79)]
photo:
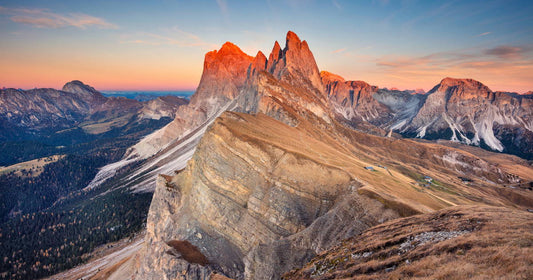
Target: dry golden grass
[(406, 160), (495, 243), (36, 166)]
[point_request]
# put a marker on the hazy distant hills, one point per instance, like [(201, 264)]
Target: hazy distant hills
[(147, 95), (40, 112)]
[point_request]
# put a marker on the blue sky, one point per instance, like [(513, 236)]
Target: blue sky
[(160, 45)]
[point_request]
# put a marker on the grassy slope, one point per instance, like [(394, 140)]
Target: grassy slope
[(477, 242), (407, 161)]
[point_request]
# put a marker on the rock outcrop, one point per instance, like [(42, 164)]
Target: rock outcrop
[(274, 184), (467, 111), (455, 243), (222, 79)]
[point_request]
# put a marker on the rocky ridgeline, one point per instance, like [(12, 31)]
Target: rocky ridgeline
[(461, 110), (274, 183), (39, 112)]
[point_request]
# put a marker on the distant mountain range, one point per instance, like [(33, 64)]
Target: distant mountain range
[(53, 143), (41, 112), (147, 95)]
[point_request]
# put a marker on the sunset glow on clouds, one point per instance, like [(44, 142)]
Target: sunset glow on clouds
[(160, 45)]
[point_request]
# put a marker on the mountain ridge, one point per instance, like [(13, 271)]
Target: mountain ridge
[(282, 178)]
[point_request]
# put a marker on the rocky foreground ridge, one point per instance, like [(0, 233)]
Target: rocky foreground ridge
[(454, 243), (284, 177)]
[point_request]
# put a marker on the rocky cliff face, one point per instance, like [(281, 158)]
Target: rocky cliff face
[(223, 76), (255, 202), (465, 110), (354, 100), (287, 86), (222, 79), (272, 185), (461, 110)]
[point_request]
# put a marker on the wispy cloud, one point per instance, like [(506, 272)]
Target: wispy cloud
[(43, 18), (507, 52), (178, 37), (439, 11), (503, 65), (336, 4), (223, 6), (483, 34), (471, 57), (339, 50)]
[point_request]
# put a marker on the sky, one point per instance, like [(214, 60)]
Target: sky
[(160, 45)]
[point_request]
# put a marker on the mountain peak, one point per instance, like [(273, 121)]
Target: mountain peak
[(295, 63), (459, 82), (292, 37), (258, 64), (229, 47), (224, 73), (464, 88), (259, 61), (328, 77), (79, 87)]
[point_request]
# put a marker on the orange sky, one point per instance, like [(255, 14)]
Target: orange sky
[(161, 46)]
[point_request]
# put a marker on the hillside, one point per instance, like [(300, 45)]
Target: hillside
[(467, 242)]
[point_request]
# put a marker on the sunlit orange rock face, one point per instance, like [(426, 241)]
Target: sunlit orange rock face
[(224, 73), (223, 77)]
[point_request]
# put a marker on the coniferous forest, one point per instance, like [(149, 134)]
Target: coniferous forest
[(48, 222)]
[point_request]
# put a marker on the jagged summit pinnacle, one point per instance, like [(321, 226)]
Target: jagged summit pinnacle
[(229, 47), (292, 37), (259, 61)]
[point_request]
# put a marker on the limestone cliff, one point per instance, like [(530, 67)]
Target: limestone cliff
[(287, 86), (354, 100), (274, 184), (465, 110), (255, 202)]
